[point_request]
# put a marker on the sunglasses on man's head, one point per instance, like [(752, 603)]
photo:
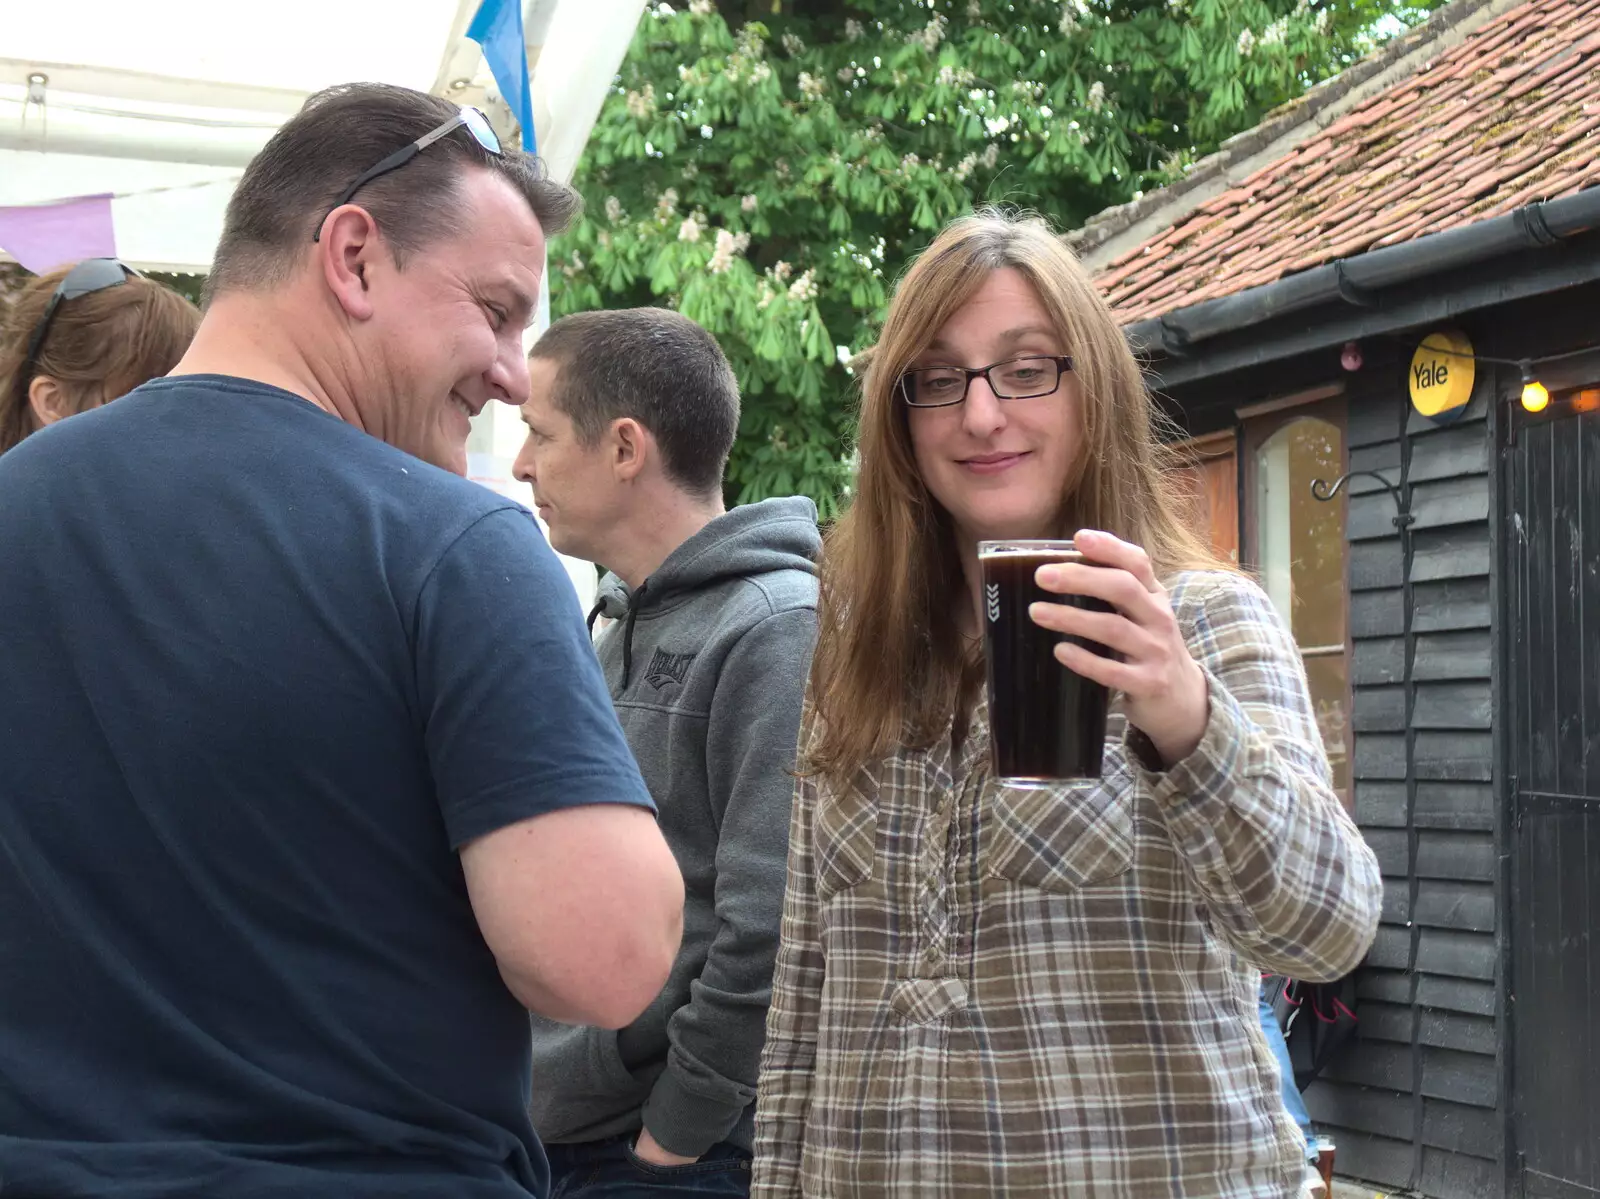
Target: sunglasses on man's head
[(90, 275), (468, 118)]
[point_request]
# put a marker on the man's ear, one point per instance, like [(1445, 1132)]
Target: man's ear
[(347, 250), (629, 446), (49, 400)]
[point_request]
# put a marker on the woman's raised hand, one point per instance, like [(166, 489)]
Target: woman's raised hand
[(1165, 690)]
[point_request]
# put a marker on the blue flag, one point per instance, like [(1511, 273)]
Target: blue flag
[(497, 27)]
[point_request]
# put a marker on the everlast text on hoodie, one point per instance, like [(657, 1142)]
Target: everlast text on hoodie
[(707, 665)]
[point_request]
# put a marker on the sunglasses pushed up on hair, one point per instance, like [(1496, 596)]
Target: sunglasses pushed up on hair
[(89, 276), (467, 117)]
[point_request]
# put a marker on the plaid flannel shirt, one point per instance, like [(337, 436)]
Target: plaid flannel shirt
[(1029, 993)]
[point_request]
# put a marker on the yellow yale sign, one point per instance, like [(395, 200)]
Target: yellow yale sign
[(1441, 375)]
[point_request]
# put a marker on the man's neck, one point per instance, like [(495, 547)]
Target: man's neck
[(247, 337), (663, 524)]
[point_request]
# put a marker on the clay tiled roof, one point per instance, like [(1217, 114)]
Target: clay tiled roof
[(1509, 115)]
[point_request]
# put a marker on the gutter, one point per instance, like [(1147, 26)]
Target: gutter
[(1355, 279)]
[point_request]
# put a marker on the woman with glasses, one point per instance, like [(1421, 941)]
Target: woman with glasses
[(983, 990), (80, 336)]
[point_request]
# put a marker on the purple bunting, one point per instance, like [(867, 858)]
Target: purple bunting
[(44, 236)]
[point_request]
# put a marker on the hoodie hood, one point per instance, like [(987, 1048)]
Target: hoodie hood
[(751, 540), (610, 600)]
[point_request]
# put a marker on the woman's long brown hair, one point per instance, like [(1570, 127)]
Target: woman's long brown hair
[(889, 660), (99, 346)]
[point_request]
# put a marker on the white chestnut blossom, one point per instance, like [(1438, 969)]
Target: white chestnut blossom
[(930, 35), (642, 103), (1073, 13), (728, 246)]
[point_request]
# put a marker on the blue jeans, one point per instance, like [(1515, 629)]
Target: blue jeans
[(1291, 1093), (610, 1169)]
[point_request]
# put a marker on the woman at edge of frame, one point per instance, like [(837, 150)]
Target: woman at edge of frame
[(94, 347), (983, 990)]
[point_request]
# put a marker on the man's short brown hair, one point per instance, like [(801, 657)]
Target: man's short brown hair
[(658, 368), (291, 185)]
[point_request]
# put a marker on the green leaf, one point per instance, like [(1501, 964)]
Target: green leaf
[(664, 278)]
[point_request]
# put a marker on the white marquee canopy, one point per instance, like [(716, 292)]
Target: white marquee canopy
[(161, 103)]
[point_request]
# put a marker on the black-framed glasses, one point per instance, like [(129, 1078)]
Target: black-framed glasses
[(1013, 379), (468, 118), (90, 275)]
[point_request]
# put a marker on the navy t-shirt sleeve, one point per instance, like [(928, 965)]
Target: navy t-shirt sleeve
[(517, 719)]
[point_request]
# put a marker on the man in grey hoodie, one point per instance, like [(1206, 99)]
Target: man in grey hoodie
[(711, 619)]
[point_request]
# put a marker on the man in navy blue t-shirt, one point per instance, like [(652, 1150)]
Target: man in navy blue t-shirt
[(310, 787)]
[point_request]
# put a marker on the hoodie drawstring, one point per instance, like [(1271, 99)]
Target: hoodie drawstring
[(635, 601), (627, 641)]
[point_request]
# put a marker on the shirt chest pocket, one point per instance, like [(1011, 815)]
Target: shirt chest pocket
[(1059, 839), (846, 837)]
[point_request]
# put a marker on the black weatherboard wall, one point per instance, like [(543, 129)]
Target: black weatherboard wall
[(1416, 1101), (1474, 659)]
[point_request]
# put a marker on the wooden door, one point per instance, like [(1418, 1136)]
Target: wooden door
[(1212, 481), (1552, 581)]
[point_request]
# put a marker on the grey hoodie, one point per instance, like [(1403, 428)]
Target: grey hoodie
[(707, 664)]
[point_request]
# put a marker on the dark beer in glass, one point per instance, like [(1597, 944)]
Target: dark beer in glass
[(1046, 723)]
